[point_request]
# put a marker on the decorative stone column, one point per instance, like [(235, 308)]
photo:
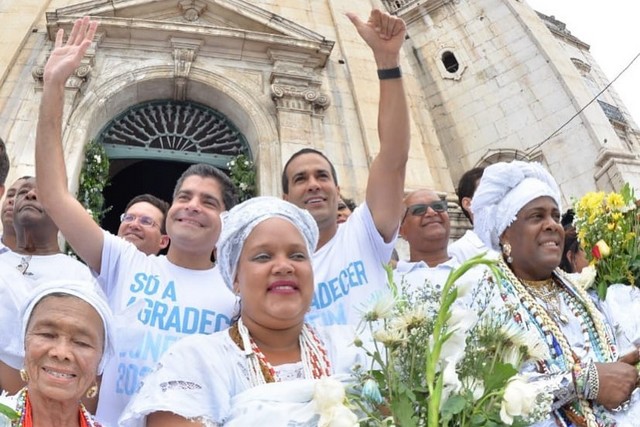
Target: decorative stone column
[(295, 89)]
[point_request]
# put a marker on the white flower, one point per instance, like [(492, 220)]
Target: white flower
[(89, 211), (329, 396), (465, 285), (97, 158), (246, 162), (231, 163), (520, 338), (328, 392), (381, 308), (413, 317), (460, 321), (389, 337), (476, 386), (585, 278), (243, 186), (518, 401), (453, 349)]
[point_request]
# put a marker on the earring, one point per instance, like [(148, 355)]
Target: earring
[(506, 250), (237, 306), (24, 375), (92, 391)]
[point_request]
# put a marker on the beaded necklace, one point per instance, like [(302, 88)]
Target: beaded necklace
[(23, 408), (594, 331), (315, 361)]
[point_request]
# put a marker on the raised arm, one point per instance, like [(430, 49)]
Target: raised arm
[(77, 226), (385, 34)]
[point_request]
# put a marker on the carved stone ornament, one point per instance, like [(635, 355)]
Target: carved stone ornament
[(77, 79), (192, 9), (183, 58), (302, 99)]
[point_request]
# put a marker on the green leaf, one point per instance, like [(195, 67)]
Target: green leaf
[(8, 412), (498, 378), (478, 420), (453, 406), (403, 411)]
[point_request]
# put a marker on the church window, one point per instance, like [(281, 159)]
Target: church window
[(450, 62)]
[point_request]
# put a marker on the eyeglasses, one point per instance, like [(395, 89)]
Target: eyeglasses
[(24, 265), (144, 220), (420, 209)]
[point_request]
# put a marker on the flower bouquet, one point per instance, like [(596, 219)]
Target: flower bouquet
[(7, 414), (436, 362), (607, 227)]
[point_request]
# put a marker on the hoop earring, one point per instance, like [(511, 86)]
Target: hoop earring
[(506, 250), (92, 391), (237, 306)]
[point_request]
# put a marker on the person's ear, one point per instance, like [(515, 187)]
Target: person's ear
[(571, 257), (466, 204), (164, 241)]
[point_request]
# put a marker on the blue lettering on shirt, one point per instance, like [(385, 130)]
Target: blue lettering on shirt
[(333, 289)]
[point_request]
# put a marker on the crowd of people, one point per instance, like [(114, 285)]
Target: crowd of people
[(130, 337)]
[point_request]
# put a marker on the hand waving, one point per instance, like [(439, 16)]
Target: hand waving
[(384, 34), (65, 59)]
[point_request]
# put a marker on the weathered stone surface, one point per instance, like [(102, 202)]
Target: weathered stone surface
[(291, 74)]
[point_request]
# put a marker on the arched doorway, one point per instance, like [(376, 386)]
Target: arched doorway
[(129, 178), (151, 144)]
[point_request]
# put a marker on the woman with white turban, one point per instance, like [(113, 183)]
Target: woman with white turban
[(517, 212), (67, 338), (266, 366)]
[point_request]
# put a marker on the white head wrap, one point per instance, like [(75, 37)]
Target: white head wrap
[(87, 291), (238, 223), (503, 190)]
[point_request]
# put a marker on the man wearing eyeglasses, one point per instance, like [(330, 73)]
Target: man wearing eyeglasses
[(157, 300), (425, 226), (143, 223)]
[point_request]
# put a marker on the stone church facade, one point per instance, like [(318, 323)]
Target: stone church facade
[(170, 82)]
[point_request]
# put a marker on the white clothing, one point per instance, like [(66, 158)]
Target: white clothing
[(467, 246), (571, 327), (414, 276), (14, 291), (417, 278), (3, 248), (349, 271), (45, 268), (204, 377), (155, 304), (622, 305)]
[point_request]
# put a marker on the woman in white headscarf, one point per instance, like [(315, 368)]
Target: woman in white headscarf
[(266, 366), (517, 212), (67, 338)]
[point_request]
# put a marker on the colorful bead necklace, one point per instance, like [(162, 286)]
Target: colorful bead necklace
[(595, 333), (23, 408), (315, 361)]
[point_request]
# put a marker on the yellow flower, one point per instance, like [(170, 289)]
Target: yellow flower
[(615, 200)]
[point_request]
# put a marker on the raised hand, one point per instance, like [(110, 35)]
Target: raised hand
[(65, 59), (384, 34)]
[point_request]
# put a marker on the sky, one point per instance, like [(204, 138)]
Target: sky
[(612, 29)]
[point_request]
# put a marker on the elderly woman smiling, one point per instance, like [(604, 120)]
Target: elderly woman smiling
[(67, 338), (266, 366), (516, 211)]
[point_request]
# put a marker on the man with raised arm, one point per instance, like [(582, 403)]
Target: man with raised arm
[(157, 299), (348, 262)]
